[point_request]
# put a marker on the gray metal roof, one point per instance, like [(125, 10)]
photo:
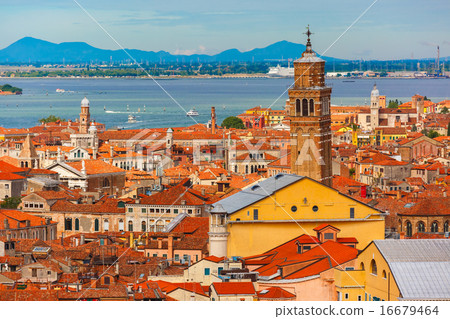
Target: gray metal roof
[(414, 250), (257, 192), (48, 182), (421, 267)]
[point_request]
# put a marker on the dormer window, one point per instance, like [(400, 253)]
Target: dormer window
[(328, 236)]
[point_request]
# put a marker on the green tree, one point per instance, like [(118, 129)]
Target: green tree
[(414, 128), (51, 119), (393, 104), (430, 133), (233, 122), (448, 129), (352, 171), (11, 202), (444, 110)]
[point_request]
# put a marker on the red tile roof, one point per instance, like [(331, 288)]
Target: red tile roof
[(234, 288), (275, 293), (96, 167), (10, 177), (175, 195), (214, 259), (14, 217), (294, 265)]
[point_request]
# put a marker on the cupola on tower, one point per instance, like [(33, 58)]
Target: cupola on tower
[(85, 116), (309, 113)]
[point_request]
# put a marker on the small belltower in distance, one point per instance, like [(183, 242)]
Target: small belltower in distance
[(85, 116), (309, 113)]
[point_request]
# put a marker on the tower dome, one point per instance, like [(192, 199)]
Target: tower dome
[(85, 102), (92, 128), (375, 91)]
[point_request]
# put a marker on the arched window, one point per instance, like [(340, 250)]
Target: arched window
[(384, 274), (373, 267), (446, 227), (297, 107), (121, 226), (434, 227), (143, 226), (106, 225), (311, 107), (421, 227), (105, 183), (408, 229), (361, 266), (96, 225), (130, 226), (305, 107), (77, 224)]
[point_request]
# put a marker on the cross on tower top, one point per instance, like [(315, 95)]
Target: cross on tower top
[(308, 32)]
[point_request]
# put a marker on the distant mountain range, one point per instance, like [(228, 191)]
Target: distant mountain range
[(31, 50)]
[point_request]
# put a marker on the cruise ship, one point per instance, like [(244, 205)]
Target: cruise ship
[(279, 71)]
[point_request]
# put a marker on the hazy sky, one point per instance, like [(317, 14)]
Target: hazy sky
[(391, 29)]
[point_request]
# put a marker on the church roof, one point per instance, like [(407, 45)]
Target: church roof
[(257, 192)]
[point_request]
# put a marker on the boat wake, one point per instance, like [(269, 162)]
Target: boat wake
[(121, 112)]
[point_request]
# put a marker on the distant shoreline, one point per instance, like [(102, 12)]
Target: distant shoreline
[(230, 76)]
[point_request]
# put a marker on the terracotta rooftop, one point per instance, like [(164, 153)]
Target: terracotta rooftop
[(234, 288), (95, 167)]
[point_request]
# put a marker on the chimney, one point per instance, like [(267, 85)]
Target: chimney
[(6, 223), (27, 223), (170, 247), (399, 194), (444, 194), (82, 239), (111, 151), (203, 192), (159, 243), (213, 120), (8, 237)]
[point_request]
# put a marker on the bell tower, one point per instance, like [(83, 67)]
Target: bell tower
[(309, 113), (85, 116)]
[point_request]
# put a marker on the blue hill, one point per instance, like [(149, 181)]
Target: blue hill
[(32, 50)]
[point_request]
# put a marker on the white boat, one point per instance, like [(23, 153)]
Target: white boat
[(131, 118), (279, 71), (192, 112), (60, 90)]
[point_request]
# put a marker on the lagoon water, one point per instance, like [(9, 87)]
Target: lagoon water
[(229, 96)]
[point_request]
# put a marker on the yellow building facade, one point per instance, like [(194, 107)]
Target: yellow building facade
[(285, 206), (371, 280), (398, 269)]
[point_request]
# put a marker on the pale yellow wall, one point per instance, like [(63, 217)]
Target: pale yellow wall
[(196, 273), (216, 297), (275, 225), (377, 285), (184, 295)]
